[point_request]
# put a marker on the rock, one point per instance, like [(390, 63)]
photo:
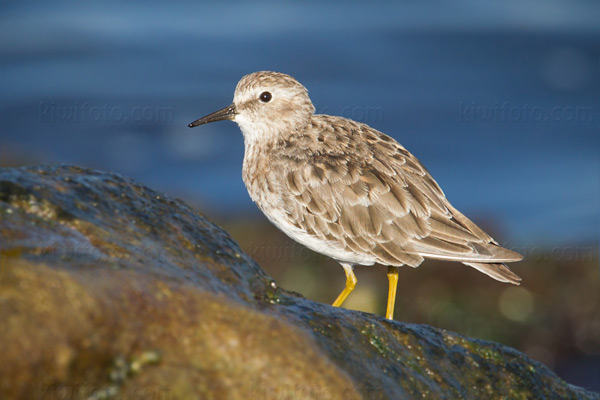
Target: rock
[(109, 289)]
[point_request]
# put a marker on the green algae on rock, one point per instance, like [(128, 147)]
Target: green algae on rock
[(109, 289)]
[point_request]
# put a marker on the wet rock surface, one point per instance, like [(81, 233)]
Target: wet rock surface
[(109, 289)]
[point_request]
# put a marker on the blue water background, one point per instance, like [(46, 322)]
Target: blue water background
[(501, 101)]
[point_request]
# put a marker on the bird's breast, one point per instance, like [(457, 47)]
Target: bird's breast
[(262, 178)]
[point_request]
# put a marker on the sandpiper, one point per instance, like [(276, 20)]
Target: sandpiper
[(346, 190)]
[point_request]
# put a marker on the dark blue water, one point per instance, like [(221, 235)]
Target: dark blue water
[(500, 101)]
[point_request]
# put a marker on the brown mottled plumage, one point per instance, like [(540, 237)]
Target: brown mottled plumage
[(347, 190)]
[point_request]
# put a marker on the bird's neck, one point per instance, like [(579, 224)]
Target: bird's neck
[(256, 149), (256, 167)]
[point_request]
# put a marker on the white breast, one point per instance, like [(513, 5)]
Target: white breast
[(329, 248)]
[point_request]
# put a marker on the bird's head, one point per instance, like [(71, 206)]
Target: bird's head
[(266, 105)]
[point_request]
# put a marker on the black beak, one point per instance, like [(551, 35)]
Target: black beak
[(221, 115)]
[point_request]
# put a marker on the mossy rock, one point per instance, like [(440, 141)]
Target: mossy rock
[(109, 289)]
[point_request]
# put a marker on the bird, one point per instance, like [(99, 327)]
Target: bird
[(346, 190)]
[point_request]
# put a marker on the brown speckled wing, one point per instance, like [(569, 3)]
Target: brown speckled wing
[(373, 197)]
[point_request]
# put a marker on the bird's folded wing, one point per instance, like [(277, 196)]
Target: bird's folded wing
[(383, 202)]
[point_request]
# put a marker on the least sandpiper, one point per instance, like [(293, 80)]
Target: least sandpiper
[(346, 190)]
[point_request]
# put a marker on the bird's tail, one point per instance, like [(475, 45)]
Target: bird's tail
[(498, 271)]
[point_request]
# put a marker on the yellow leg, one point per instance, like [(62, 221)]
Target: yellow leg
[(350, 284), (393, 284)]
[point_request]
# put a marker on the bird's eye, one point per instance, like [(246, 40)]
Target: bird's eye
[(265, 97)]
